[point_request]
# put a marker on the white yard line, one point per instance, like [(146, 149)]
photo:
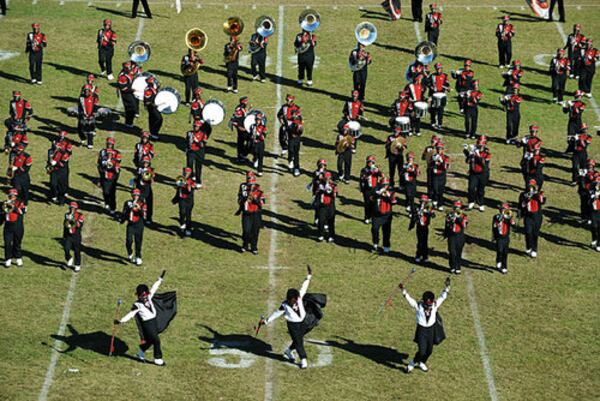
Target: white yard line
[(49, 379), (272, 262), (418, 31)]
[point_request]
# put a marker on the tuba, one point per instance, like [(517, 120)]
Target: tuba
[(233, 26), (139, 51), (426, 52), (265, 27), (309, 20), (365, 33), (196, 40)]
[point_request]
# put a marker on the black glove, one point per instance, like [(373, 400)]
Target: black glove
[(116, 321), (308, 269), (401, 286)]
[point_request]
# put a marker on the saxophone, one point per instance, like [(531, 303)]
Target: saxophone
[(70, 221)]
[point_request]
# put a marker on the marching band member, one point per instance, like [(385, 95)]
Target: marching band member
[(109, 168), (304, 44), (534, 168), (395, 145), (130, 103), (410, 172), (197, 105), (595, 214), (144, 177), (430, 330), (58, 167), (383, 199), (134, 213), (19, 109), (258, 134), (144, 148), (478, 158), (3, 7), (470, 107), (86, 121), (325, 204), (575, 109), (400, 108), (573, 47), (36, 41), (588, 67), (427, 154), (285, 115), (344, 145), (502, 222), (188, 63), (295, 134), (586, 185), (433, 20), (251, 204), (513, 76), (393, 8), (237, 121), (360, 59), (134, 8), (580, 143), (184, 198), (317, 176), (417, 10), (258, 58), (18, 171), (465, 78), (72, 226), (559, 71), (353, 110), (505, 32), (456, 223), (232, 54), (438, 83), (416, 93), (530, 207), (512, 105), (561, 10), (155, 118), (529, 143), (91, 82), (106, 39), (438, 167), (244, 189), (369, 177), (16, 134), (422, 219), (197, 140), (13, 210)]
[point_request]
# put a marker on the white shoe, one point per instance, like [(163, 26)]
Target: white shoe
[(386, 249), (481, 208), (284, 152), (235, 91), (259, 174), (589, 94), (417, 260), (103, 74), (410, 366), (55, 200), (296, 173), (309, 83), (375, 248), (138, 261), (19, 262), (367, 221), (159, 362), (188, 233), (198, 186), (77, 269), (229, 89), (8, 262), (598, 249), (255, 78), (504, 271), (131, 258), (255, 164), (471, 205), (39, 82), (533, 254), (330, 239), (407, 208), (289, 354), (70, 262), (321, 238), (33, 81), (423, 367), (291, 165), (110, 77), (303, 363), (594, 244), (499, 265), (441, 208), (528, 252)]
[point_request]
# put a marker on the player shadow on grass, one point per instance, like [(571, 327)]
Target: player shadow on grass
[(385, 356), (242, 342), (42, 260), (95, 254), (214, 236), (372, 14), (520, 16), (114, 12), (69, 69), (53, 125), (179, 78)]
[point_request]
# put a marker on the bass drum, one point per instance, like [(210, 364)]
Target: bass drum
[(354, 128), (139, 84), (250, 119), (213, 112), (167, 100)]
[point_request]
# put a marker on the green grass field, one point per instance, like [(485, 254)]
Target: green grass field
[(539, 322)]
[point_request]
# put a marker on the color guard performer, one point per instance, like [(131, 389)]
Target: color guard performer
[(383, 199), (237, 122), (580, 143), (369, 177), (422, 219), (325, 204), (184, 198), (19, 109), (12, 212), (559, 71), (505, 31), (86, 121), (144, 148), (196, 148), (19, 164), (258, 50), (106, 39), (344, 146), (512, 105), (530, 207), (109, 169), (595, 214), (188, 64), (197, 105), (58, 168), (258, 134), (231, 53), (251, 203), (478, 158), (433, 20), (588, 67), (285, 115), (410, 172), (470, 108), (134, 213), (155, 119), (72, 226), (304, 44), (574, 109), (502, 222), (393, 8), (359, 61), (439, 86), (438, 167), (456, 223), (144, 177), (36, 42), (130, 103)]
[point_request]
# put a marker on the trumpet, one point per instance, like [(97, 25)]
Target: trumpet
[(69, 221), (507, 214), (180, 181), (8, 206)]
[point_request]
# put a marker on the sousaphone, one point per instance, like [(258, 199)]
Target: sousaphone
[(139, 51), (233, 26), (309, 20)]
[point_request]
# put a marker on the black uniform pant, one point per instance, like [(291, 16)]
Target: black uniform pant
[(109, 192), (537, 175), (476, 189), (35, 65), (185, 212), (422, 241), (437, 113), (456, 243), (417, 10), (326, 214), (294, 152), (151, 337), (86, 128), (130, 104), (195, 160), (242, 144), (232, 74), (134, 9), (395, 163), (415, 124), (586, 77), (73, 243), (533, 225), (135, 233), (13, 236), (283, 136), (305, 65), (21, 183), (257, 64), (502, 246), (251, 223), (471, 114), (359, 80), (436, 190), (574, 125), (59, 184), (561, 9), (368, 203), (558, 86), (513, 118), (3, 7), (258, 151), (424, 340), (155, 120), (584, 204), (433, 35), (383, 222), (595, 227), (105, 56), (148, 197), (410, 191), (578, 162), (297, 331), (344, 164), (504, 52), (191, 84)]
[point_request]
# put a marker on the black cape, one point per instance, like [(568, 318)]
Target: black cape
[(166, 309), (314, 304), (439, 335)]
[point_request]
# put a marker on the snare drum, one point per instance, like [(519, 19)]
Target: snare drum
[(103, 113), (403, 123), (213, 112), (167, 100), (420, 109), (354, 128), (139, 84), (437, 100)]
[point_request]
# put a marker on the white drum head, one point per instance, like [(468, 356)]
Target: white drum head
[(139, 85), (167, 100), (353, 125), (402, 120), (213, 112), (421, 105), (249, 121), (439, 95)]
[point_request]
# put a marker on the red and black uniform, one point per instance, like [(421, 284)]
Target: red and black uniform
[(585, 188), (258, 59), (534, 169), (36, 42), (286, 115), (16, 136), (184, 197), (143, 149), (438, 168), (454, 230), (237, 122), (573, 46), (191, 80), (344, 158), (130, 103), (258, 133), (402, 107), (395, 145), (59, 156), (478, 160), (470, 107), (196, 148), (106, 39), (155, 119), (86, 124), (353, 110), (134, 213), (359, 61), (530, 206), (416, 93), (109, 168), (410, 172), (20, 111), (144, 178), (505, 32), (595, 214), (433, 20), (559, 71), (325, 202), (369, 177), (575, 110), (19, 166), (305, 43), (317, 176), (512, 104), (231, 53), (512, 77), (251, 206), (580, 154), (294, 141), (501, 226), (438, 83), (588, 68), (13, 228), (422, 220), (383, 200), (464, 80), (196, 108), (73, 224)]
